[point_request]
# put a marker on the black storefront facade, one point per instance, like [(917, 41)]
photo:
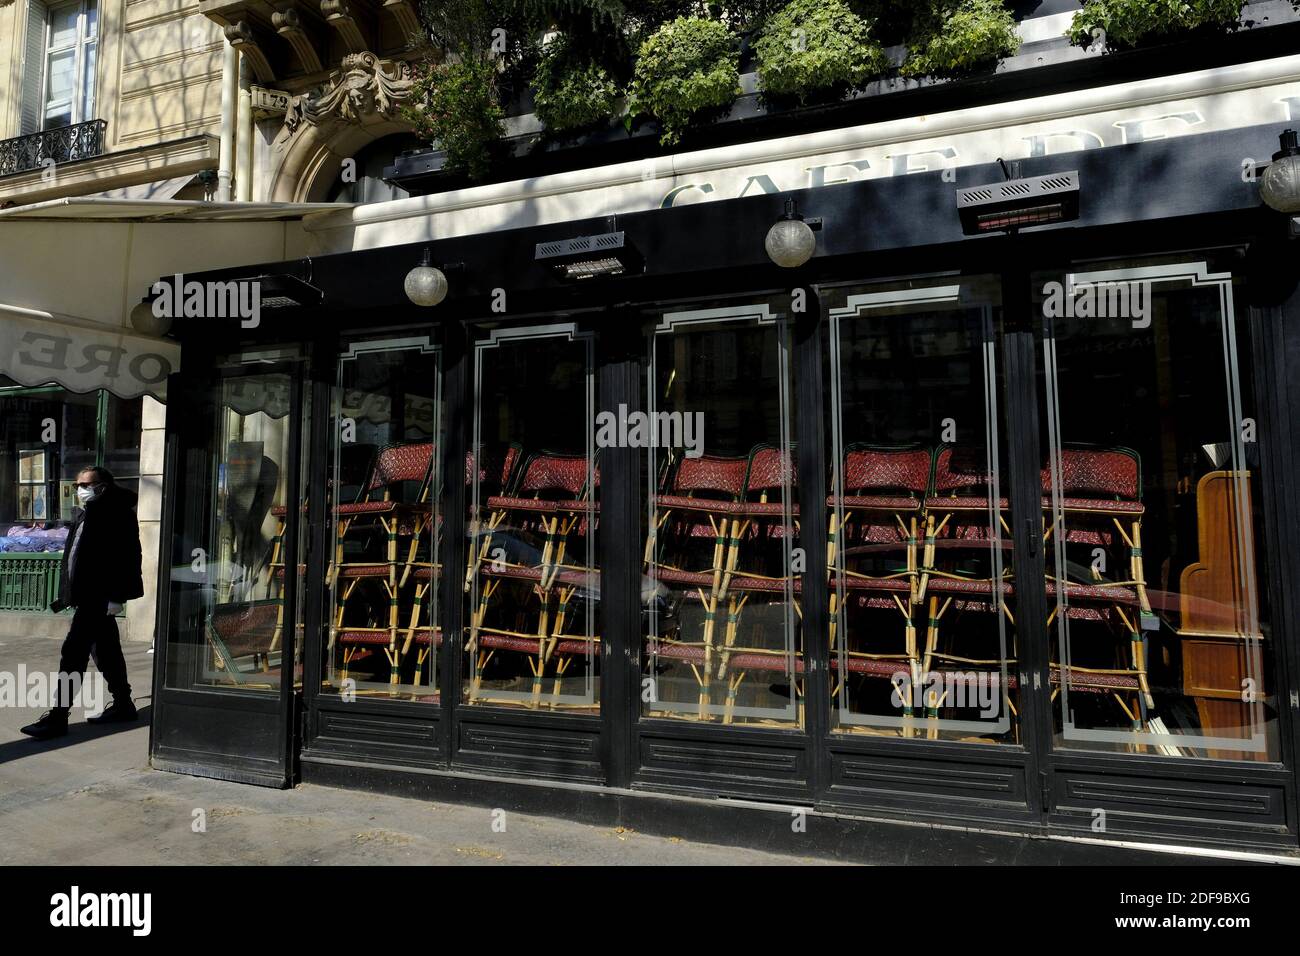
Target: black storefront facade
[(896, 535)]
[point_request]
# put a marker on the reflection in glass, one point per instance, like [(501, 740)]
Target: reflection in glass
[(919, 556), (722, 622), (532, 587), (1152, 522)]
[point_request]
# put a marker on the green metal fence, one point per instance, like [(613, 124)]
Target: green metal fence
[(29, 582)]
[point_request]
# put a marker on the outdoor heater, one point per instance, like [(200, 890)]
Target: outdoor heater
[(286, 291), (586, 257), (276, 291), (1016, 203)]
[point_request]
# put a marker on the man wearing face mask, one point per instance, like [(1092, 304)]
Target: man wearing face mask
[(101, 572)]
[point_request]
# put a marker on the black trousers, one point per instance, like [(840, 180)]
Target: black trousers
[(93, 631)]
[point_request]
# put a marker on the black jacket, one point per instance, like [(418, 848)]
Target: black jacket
[(108, 553)]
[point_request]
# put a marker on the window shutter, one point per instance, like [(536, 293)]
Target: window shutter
[(34, 66)]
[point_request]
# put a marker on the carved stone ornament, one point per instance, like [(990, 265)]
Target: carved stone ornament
[(362, 87)]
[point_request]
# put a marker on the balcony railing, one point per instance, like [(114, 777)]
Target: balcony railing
[(66, 144)]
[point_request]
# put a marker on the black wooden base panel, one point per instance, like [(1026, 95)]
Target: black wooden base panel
[(773, 828)]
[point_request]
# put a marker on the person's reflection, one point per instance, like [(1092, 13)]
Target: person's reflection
[(251, 493)]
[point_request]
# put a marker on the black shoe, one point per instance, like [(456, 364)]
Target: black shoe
[(53, 723), (118, 712)]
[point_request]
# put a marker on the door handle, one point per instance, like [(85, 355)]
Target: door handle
[(1032, 533)]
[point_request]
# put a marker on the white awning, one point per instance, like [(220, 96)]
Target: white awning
[(101, 209), (153, 192), (41, 347)]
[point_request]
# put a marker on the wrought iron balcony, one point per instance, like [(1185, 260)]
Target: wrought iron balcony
[(65, 144)]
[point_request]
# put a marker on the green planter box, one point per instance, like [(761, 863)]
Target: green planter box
[(29, 582)]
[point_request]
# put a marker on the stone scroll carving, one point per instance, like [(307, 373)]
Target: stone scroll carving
[(364, 87)]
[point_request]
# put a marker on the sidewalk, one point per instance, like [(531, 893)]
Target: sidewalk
[(90, 798)]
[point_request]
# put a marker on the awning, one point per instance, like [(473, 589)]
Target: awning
[(154, 192), (100, 209), (41, 347)]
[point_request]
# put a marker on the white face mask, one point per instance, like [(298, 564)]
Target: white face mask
[(86, 494)]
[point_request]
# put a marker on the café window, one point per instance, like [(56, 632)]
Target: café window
[(532, 585), (919, 558), (1161, 635), (721, 626), (385, 527), (229, 576)]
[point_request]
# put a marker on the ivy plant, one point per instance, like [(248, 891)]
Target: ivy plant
[(571, 91), (951, 37), (689, 66), (812, 46), (1123, 23), (455, 106)]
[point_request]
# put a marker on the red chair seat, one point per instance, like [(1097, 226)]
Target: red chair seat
[(764, 509), (901, 585), (364, 570), (563, 576), (577, 648), (505, 642), (1093, 592), (1111, 594), (1096, 683), (962, 503), (366, 635), (871, 667), (745, 582), (682, 503), (1097, 504), (875, 502), (678, 652), (688, 578), (540, 505), (750, 661), (371, 507), (940, 585)]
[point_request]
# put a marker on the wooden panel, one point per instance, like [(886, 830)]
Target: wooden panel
[(869, 778), (359, 727), (1216, 645), (536, 750), (1135, 803), (738, 767)]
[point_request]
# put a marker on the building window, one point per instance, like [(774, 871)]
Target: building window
[(70, 49), (62, 53)]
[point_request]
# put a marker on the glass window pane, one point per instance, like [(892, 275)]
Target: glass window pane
[(122, 419), (88, 83), (92, 18), (383, 576), (59, 89), (532, 587), (27, 418), (722, 634), (228, 573), (63, 26), (920, 556), (1155, 537)]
